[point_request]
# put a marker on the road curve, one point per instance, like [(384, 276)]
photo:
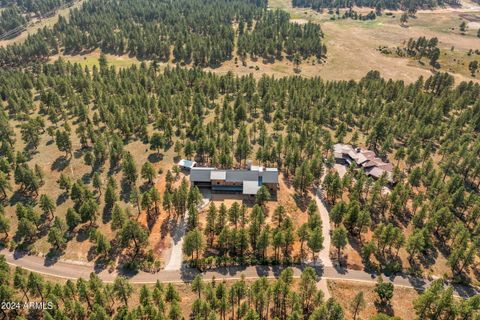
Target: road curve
[(69, 270)]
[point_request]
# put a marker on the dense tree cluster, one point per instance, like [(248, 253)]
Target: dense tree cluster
[(352, 14), (221, 121), (437, 201), (438, 301), (201, 33), (235, 234), (17, 13), (422, 47), (38, 7), (410, 5), (11, 19), (274, 34)]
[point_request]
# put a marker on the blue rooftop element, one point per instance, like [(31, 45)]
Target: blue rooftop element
[(227, 188)]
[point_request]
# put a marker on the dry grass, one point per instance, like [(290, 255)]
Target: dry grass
[(352, 45), (52, 163), (91, 59), (279, 4), (345, 291)]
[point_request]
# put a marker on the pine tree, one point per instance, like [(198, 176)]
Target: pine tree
[(339, 239), (148, 172), (358, 304), (315, 241)]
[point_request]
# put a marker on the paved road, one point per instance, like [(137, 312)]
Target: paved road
[(68, 270)]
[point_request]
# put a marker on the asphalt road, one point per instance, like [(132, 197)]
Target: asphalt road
[(68, 270)]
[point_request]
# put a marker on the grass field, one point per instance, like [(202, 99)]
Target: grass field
[(91, 59), (352, 45)]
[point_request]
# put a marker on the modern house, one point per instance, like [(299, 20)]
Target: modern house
[(186, 164), (244, 181), (365, 159)]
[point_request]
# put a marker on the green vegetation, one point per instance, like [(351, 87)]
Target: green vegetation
[(234, 236), (38, 7), (411, 6), (423, 47), (278, 122), (200, 33), (94, 299), (10, 19), (16, 14)]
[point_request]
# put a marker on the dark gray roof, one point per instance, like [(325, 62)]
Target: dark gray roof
[(241, 175), (200, 174), (270, 175)]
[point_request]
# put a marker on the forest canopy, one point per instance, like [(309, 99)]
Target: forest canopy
[(18, 13), (201, 33), (411, 5)]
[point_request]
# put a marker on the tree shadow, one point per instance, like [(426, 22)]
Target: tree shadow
[(107, 214), (428, 258), (385, 308), (126, 190), (19, 196), (60, 163), (155, 157), (82, 233), (114, 169), (87, 178), (302, 201), (62, 198), (100, 264), (92, 253), (53, 256)]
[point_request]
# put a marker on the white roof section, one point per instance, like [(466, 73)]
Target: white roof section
[(342, 148), (186, 163), (256, 168), (250, 187), (218, 175), (360, 158)]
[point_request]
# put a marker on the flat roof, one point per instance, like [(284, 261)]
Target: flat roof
[(218, 175), (199, 174), (251, 187), (187, 163), (267, 175)]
